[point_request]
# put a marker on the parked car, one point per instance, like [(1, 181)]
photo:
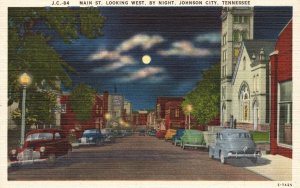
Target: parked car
[(41, 145), (177, 137), (91, 137), (108, 135), (151, 132), (192, 138), (234, 143), (142, 132), (161, 134), (169, 134)]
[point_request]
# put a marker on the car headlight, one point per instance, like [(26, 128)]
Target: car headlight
[(42, 149), (14, 151)]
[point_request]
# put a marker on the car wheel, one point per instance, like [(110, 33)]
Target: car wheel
[(254, 160), (51, 159), (222, 158)]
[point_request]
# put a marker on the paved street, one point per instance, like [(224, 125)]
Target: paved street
[(137, 158)]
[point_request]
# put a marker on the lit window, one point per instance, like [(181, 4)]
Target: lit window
[(245, 103)]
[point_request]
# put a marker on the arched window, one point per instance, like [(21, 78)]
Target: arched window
[(244, 63), (245, 103)]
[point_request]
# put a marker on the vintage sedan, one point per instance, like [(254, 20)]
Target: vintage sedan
[(192, 138), (41, 145), (91, 137), (169, 134), (177, 137), (234, 143), (151, 132)]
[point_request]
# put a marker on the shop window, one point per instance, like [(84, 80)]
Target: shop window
[(285, 113)]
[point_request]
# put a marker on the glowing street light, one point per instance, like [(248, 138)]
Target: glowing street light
[(24, 80), (107, 117), (189, 109)]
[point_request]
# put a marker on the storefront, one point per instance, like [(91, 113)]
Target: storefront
[(281, 94)]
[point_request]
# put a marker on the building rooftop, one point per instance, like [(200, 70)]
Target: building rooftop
[(257, 47)]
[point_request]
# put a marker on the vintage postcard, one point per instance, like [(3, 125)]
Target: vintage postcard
[(149, 93)]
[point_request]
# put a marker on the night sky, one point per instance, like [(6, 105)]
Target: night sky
[(182, 42)]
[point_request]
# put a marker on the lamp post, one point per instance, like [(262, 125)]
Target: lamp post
[(189, 109), (107, 117), (24, 80)]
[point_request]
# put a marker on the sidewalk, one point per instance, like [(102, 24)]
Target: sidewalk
[(274, 167)]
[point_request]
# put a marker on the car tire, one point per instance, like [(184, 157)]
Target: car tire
[(222, 158), (254, 160), (51, 159)]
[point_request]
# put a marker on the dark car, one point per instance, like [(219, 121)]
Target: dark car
[(142, 132), (41, 145), (234, 143), (151, 132), (177, 137), (91, 137)]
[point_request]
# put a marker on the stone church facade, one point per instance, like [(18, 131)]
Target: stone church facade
[(244, 72)]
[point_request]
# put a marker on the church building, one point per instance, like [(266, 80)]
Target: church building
[(244, 72)]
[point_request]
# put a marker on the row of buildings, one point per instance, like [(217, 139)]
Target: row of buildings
[(109, 110), (256, 79)]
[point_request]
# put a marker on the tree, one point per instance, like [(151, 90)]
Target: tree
[(205, 98), (29, 49), (82, 99), (39, 108)]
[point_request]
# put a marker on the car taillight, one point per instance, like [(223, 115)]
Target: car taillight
[(14, 151), (42, 149)]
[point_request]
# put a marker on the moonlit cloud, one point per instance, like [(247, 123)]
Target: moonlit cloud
[(148, 72), (140, 40), (209, 37), (112, 67), (117, 61), (105, 55), (185, 48)]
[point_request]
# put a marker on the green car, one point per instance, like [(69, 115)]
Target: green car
[(192, 138)]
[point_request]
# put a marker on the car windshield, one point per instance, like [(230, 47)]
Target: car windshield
[(39, 136), (90, 131), (238, 135)]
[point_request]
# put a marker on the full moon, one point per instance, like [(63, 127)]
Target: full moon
[(146, 59)]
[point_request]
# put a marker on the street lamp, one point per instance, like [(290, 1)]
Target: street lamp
[(189, 109), (107, 117), (24, 80)]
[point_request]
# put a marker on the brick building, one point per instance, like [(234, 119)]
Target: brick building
[(281, 94), (174, 116), (97, 120), (160, 110)]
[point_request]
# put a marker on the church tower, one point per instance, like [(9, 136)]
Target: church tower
[(237, 25)]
